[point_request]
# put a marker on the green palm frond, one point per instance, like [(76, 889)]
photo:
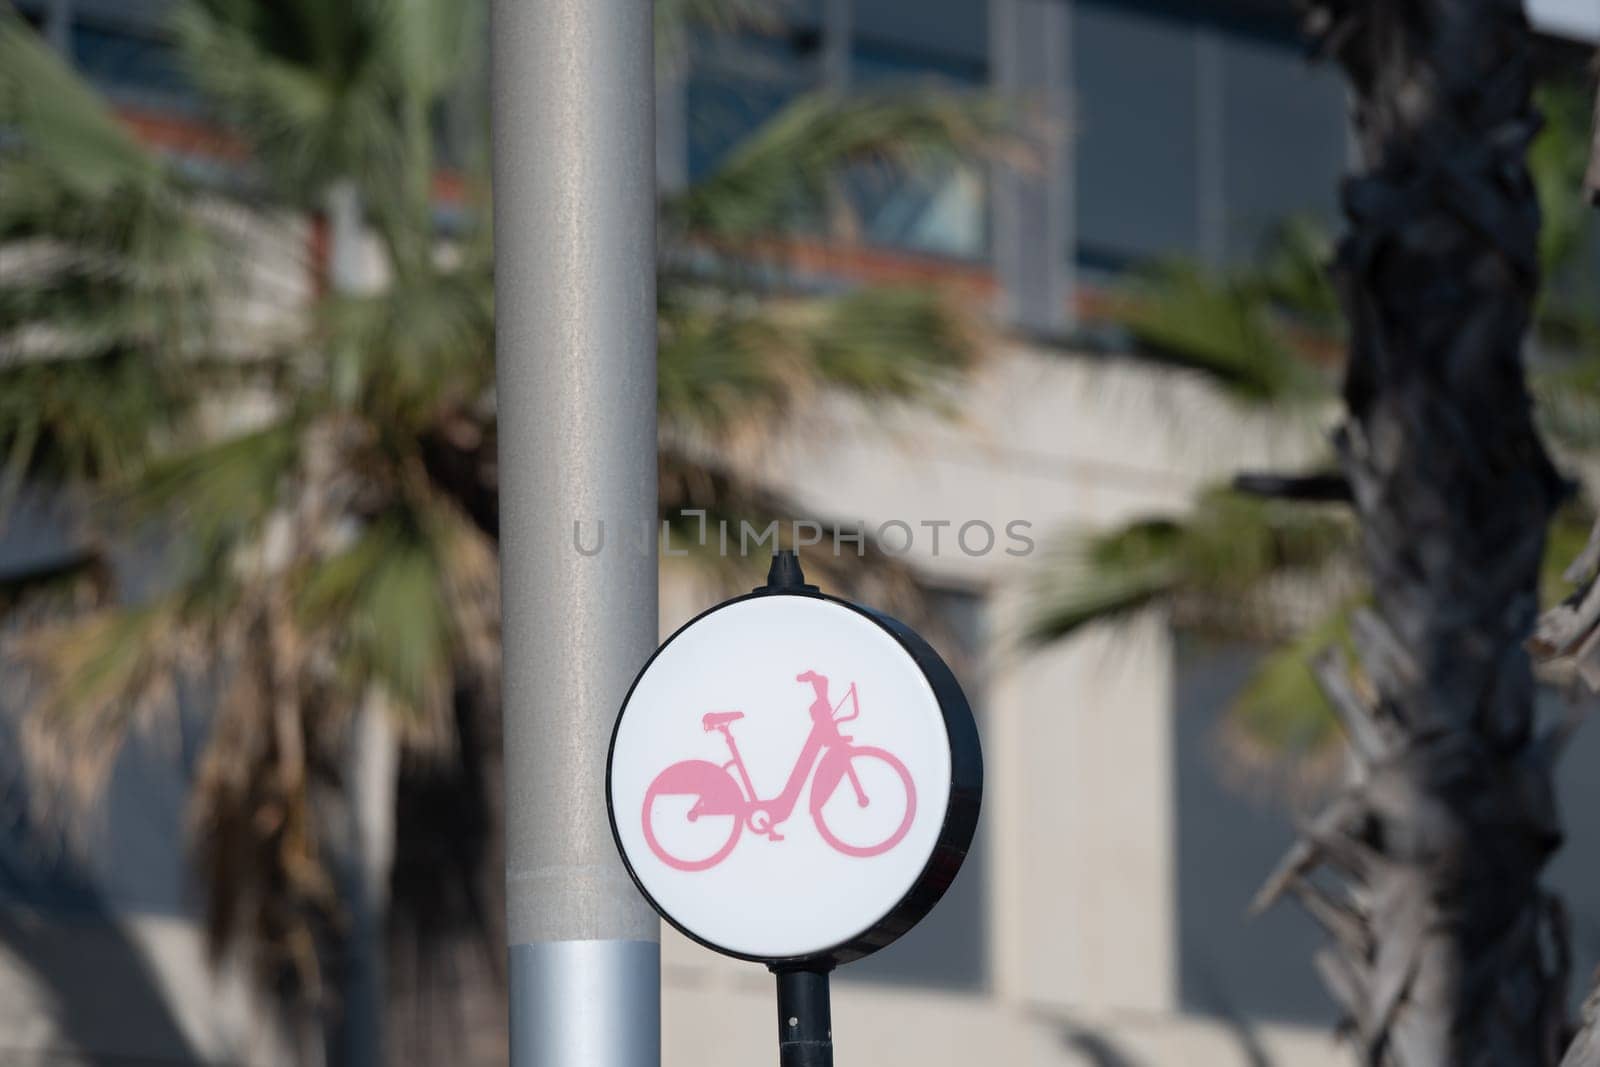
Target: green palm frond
[(1282, 710), (309, 83), (1292, 275), (787, 167), (1565, 541), (891, 342), (219, 495), (1569, 232), (91, 265), (1179, 314), (323, 558), (382, 600), (1566, 396), (105, 271), (725, 366), (419, 346), (709, 375), (60, 126), (347, 92), (1556, 161), (435, 41), (85, 419), (1214, 565), (408, 601), (1092, 578)]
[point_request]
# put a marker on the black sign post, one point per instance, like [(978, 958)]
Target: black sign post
[(805, 1021)]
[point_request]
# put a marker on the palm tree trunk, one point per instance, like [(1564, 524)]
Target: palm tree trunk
[(1447, 950)]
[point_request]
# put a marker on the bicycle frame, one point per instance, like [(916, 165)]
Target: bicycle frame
[(822, 737)]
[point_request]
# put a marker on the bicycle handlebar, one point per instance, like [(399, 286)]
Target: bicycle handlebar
[(855, 701)]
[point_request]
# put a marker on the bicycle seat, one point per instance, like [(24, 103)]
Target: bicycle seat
[(716, 719)]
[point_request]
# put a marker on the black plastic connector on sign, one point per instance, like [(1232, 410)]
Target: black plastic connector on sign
[(785, 575)]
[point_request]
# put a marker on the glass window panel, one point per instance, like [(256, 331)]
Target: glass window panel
[(938, 209), (947, 36), (130, 64), (801, 14), (1284, 141), (737, 84), (1135, 138)]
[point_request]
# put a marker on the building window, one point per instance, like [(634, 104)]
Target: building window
[(1134, 76), (737, 83), (1284, 144), (948, 39), (130, 65), (940, 209), (1195, 134)]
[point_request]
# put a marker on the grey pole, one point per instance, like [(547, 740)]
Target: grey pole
[(574, 207)]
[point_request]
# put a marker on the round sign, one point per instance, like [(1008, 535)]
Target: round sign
[(794, 778)]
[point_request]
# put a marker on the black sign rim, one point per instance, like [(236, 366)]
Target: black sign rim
[(960, 816)]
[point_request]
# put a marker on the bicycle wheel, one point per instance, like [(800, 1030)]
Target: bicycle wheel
[(863, 801), (698, 809)]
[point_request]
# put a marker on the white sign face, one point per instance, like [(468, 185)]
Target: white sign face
[(779, 776)]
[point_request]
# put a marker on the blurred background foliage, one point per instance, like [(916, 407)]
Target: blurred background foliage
[(327, 491), (1249, 560), (325, 487)]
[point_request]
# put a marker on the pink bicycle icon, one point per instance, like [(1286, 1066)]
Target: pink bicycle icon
[(696, 790)]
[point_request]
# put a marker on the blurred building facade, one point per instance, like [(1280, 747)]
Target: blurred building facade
[(1100, 920)]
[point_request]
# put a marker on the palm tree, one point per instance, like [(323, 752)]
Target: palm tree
[(1442, 939), (334, 563), (1424, 867)]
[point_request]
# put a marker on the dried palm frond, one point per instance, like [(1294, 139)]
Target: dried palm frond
[(92, 680)]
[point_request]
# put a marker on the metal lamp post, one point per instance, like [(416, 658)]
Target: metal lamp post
[(574, 207)]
